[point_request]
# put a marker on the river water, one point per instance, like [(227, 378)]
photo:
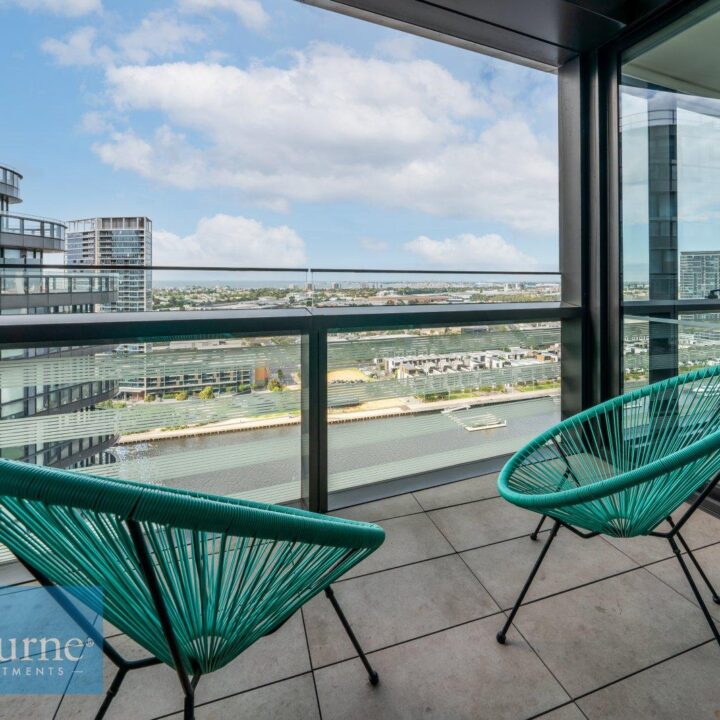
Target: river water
[(266, 463)]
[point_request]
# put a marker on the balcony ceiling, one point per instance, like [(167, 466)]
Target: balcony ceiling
[(544, 33)]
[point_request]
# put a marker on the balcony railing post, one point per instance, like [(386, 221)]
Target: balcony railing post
[(314, 420)]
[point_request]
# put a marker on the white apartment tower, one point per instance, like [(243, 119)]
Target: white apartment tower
[(116, 241)]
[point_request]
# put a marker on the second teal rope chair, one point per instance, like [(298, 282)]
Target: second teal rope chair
[(194, 579), (622, 467)]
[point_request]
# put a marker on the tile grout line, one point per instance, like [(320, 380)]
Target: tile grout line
[(336, 513), (207, 703), (545, 713), (537, 654), (434, 557), (411, 639), (655, 664), (310, 662), (467, 622), (691, 600)]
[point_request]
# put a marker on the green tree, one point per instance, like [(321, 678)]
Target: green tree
[(149, 397), (206, 393), (275, 385), (182, 395)]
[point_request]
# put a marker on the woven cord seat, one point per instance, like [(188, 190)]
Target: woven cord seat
[(193, 578), (623, 467)]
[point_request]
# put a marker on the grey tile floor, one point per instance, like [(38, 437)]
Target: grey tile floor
[(610, 630)]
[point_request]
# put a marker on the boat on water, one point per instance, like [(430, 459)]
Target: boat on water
[(485, 425)]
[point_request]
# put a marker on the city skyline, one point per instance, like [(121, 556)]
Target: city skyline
[(404, 152)]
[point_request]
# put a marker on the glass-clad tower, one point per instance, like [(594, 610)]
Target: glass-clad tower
[(26, 288), (117, 242)]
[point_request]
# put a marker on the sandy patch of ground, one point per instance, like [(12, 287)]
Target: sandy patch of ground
[(347, 375)]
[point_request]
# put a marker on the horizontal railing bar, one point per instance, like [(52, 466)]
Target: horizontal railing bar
[(27, 216), (120, 328), (407, 271), (647, 307), (213, 268), (388, 316)]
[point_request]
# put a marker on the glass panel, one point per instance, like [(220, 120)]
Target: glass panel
[(215, 415), (670, 140), (342, 289), (413, 401)]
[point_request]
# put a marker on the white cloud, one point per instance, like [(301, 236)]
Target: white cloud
[(95, 123), (470, 252), (69, 8), (250, 12), (335, 126), (231, 240), (77, 49), (159, 34)]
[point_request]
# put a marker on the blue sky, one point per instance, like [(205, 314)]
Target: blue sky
[(267, 132)]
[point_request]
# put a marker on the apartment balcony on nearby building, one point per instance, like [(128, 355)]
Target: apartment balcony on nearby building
[(30, 231), (379, 372), (33, 288)]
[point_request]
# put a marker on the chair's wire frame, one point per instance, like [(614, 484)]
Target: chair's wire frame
[(673, 536), (188, 682), (66, 490), (670, 536)]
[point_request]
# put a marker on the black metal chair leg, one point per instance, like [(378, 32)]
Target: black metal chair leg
[(695, 590), (112, 692), (695, 562), (372, 675), (534, 533), (189, 711), (698, 567), (501, 635)]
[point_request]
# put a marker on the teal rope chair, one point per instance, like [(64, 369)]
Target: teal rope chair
[(195, 579), (622, 467)]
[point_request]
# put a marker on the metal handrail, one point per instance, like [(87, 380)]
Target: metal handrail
[(27, 216), (215, 268)]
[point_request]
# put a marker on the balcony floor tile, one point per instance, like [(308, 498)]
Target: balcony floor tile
[(599, 633), (571, 561), (463, 491), (381, 509), (455, 674), (670, 572), (684, 687), (568, 712), (395, 605), (480, 523), (293, 699), (409, 539)]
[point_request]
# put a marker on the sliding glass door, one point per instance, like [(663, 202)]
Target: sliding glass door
[(670, 193)]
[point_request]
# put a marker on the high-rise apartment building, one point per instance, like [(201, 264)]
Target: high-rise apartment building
[(26, 288), (116, 242), (699, 274)]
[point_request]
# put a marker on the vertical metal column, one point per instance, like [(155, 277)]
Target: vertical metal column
[(574, 264), (590, 255), (313, 411)]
